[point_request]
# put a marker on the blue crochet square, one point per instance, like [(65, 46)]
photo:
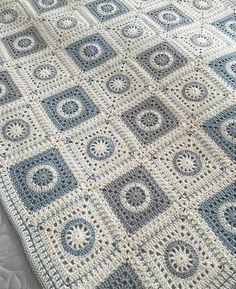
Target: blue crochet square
[(227, 25), (219, 212), (8, 90), (24, 43), (90, 52), (149, 120), (161, 60), (136, 198), (169, 17), (105, 10), (123, 277), (69, 108), (222, 129), (44, 6), (225, 66), (42, 179)]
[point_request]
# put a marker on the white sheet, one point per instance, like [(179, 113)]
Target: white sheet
[(15, 272)]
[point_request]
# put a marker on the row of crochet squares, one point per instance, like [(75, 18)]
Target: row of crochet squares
[(48, 172), (93, 51)]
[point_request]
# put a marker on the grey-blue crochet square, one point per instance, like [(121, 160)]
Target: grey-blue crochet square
[(227, 25), (136, 198), (225, 67), (169, 17), (8, 90), (222, 129), (69, 108), (161, 60), (23, 43), (124, 277), (90, 52), (105, 10), (149, 120), (41, 179), (42, 6), (220, 214)]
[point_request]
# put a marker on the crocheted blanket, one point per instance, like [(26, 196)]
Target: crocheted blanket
[(118, 141)]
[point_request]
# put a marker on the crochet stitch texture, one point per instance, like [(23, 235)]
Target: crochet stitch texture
[(118, 141)]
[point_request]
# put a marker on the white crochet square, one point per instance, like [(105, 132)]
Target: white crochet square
[(201, 42), (180, 255), (20, 128), (188, 163), (78, 242), (12, 16), (131, 32), (101, 149), (120, 83), (45, 72), (203, 9), (65, 24), (195, 91)]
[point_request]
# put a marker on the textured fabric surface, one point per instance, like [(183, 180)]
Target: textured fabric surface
[(15, 271), (118, 142)]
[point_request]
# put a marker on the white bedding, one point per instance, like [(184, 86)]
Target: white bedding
[(15, 272)]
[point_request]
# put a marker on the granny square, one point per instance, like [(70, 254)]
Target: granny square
[(42, 6), (69, 108), (104, 10), (24, 43), (149, 120), (136, 198), (169, 17), (179, 255), (161, 60), (41, 179), (90, 52)]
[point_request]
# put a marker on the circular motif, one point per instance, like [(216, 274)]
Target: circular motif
[(149, 120), (181, 259), (194, 91), (69, 108), (231, 26), (42, 178), (24, 43), (161, 60), (8, 16), (47, 3), (16, 130), (100, 148), (106, 9), (90, 51), (135, 197), (3, 90), (227, 216), (187, 162), (118, 84), (201, 40), (45, 72), (231, 68), (202, 4), (228, 130), (169, 17), (132, 31), (66, 22), (78, 237)]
